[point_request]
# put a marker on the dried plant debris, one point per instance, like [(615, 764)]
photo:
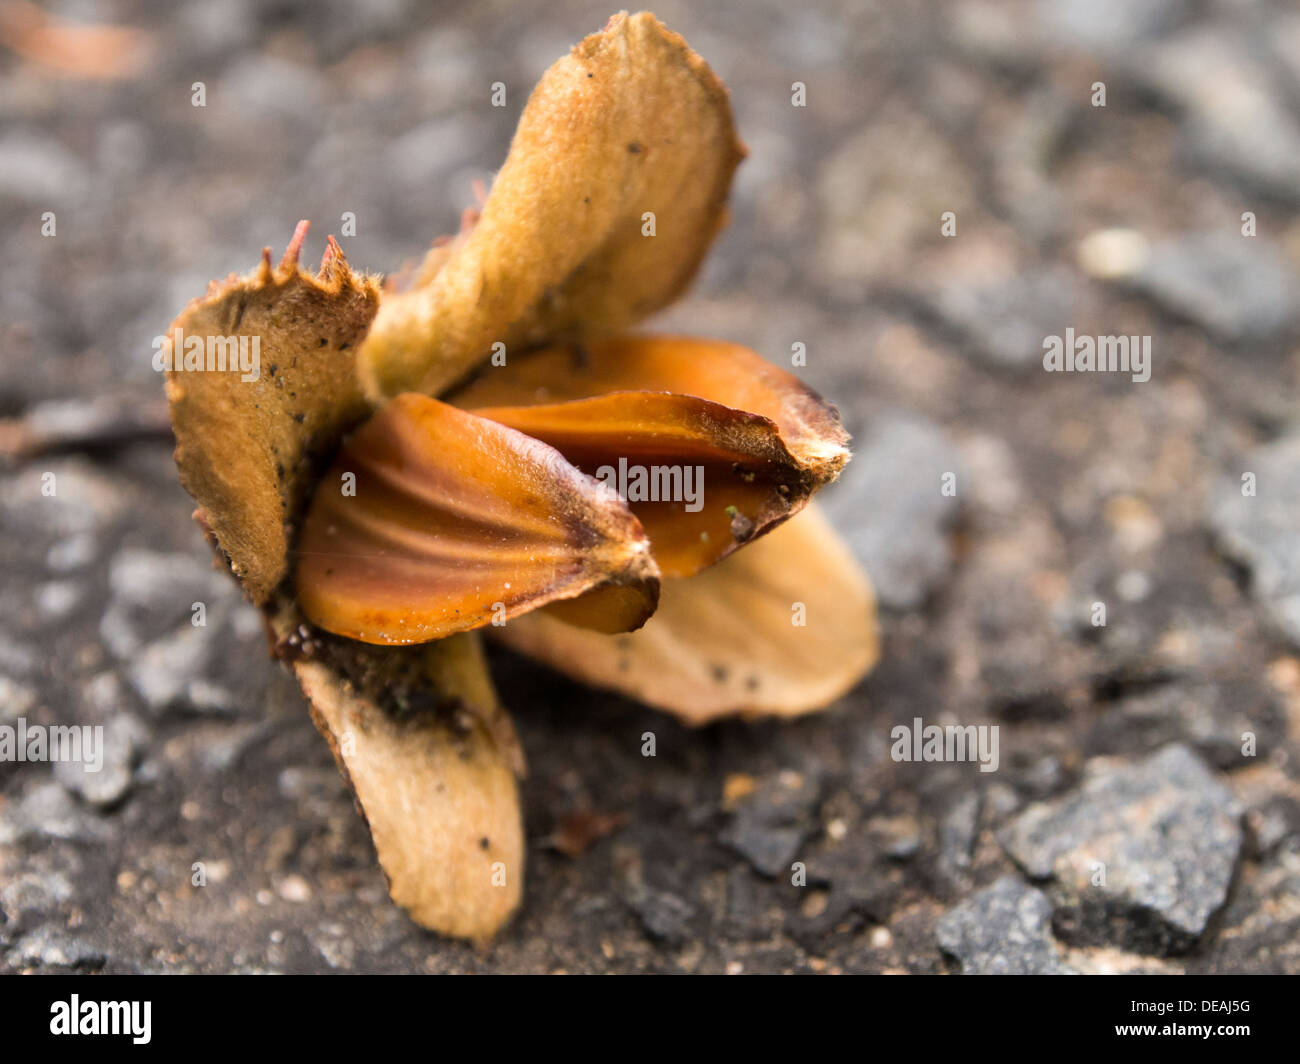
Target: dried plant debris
[(760, 439), (433, 521), (251, 434), (379, 519), (781, 628), (631, 121), (432, 759)]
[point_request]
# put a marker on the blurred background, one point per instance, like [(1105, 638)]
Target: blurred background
[(1161, 745)]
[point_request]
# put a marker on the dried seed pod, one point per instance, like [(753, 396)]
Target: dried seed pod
[(614, 188), (433, 521)]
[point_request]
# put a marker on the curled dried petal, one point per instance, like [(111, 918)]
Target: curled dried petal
[(434, 521), (721, 372), (615, 185), (701, 478), (719, 448)]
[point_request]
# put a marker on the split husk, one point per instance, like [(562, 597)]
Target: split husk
[(432, 521), (558, 259), (757, 441), (728, 641), (630, 121)]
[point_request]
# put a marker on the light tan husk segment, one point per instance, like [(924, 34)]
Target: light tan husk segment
[(632, 121)]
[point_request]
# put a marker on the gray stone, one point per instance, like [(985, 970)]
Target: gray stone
[(1043, 776), (858, 890), (664, 915), (21, 660), (148, 622), (49, 947), (1261, 924), (772, 823), (1259, 531), (162, 581), (1140, 856), (338, 950), (957, 831), (1237, 288), (444, 65), (123, 736), (84, 500), (1274, 823), (431, 151), (747, 896), (889, 505), (75, 552), (898, 837), (1283, 42), (222, 751), (46, 810), (40, 170), (15, 698), (1005, 320), (35, 891), (212, 31), (162, 672), (884, 190), (1235, 118), (58, 598), (1108, 25), (1004, 929), (268, 87), (1209, 717), (67, 423)]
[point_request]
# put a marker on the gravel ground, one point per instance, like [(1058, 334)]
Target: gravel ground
[(1145, 812)]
